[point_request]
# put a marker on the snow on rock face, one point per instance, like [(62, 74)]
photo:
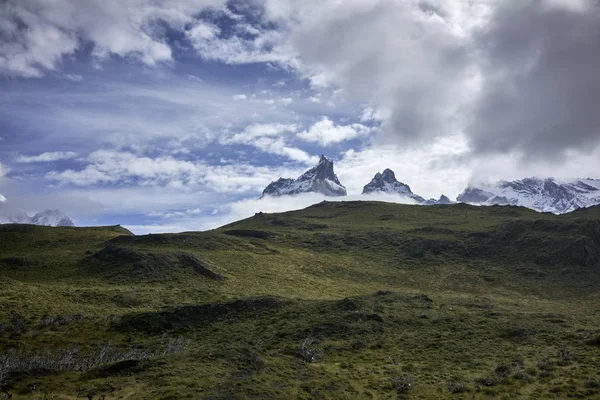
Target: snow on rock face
[(51, 218), (320, 179), (11, 215), (545, 195), (386, 182)]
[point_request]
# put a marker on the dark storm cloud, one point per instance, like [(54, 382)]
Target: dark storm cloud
[(540, 79)]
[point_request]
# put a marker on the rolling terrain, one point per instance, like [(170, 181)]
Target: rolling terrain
[(341, 300)]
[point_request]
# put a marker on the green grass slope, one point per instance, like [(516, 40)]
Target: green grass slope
[(339, 300)]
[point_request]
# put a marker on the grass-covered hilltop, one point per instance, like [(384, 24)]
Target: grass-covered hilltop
[(342, 300)]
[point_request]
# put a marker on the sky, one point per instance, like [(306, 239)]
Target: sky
[(173, 115)]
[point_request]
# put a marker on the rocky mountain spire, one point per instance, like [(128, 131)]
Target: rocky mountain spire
[(320, 179), (386, 182)]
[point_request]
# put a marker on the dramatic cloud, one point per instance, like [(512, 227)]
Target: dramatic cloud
[(46, 157), (512, 75), (35, 34), (540, 88), (410, 58)]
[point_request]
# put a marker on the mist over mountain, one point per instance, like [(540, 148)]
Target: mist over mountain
[(10, 214)]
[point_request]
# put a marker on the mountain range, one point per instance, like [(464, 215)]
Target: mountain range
[(10, 215), (543, 195)]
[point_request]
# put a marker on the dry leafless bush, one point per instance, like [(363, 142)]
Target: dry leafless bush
[(73, 359), (309, 350), (455, 387)]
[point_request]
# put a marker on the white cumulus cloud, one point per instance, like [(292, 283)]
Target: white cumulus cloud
[(46, 157), (327, 132)]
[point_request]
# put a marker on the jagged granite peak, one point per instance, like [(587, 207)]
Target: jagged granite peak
[(323, 170), (545, 195), (386, 182), (320, 179)]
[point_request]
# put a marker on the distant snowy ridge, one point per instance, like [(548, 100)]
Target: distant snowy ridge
[(443, 200), (544, 195), (9, 215), (320, 179), (52, 218)]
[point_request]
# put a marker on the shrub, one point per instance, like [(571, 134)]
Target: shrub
[(17, 324), (455, 387), (5, 367), (592, 384), (521, 375), (487, 381), (402, 383), (502, 369), (564, 356), (546, 364), (594, 341)]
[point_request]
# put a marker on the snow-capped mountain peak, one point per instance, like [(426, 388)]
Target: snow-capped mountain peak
[(386, 182), (52, 218), (545, 195), (11, 215), (319, 179)]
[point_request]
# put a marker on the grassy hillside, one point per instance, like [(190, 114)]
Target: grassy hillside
[(340, 300)]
